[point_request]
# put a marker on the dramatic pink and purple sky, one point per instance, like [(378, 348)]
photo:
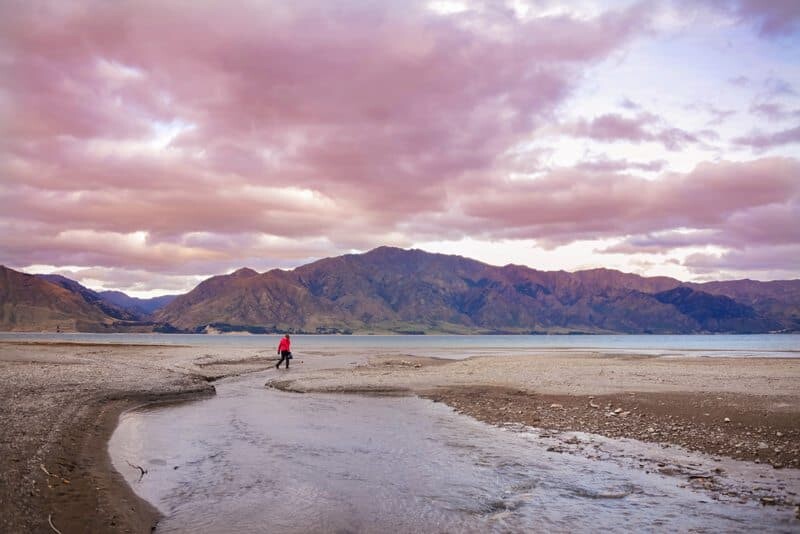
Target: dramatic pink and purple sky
[(145, 145)]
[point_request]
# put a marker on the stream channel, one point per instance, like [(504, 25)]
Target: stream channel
[(254, 459)]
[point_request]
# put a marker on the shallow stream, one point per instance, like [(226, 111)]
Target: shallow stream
[(253, 459)]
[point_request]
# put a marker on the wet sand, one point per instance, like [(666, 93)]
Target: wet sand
[(61, 402)]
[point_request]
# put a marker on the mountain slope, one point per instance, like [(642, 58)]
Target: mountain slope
[(396, 290), (778, 299), (92, 298), (30, 303)]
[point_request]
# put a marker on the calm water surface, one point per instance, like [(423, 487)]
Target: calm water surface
[(771, 345), (253, 459)]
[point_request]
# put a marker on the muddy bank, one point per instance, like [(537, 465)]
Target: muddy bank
[(744, 427), (60, 404)]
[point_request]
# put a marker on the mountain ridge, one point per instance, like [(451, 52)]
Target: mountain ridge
[(393, 290), (389, 290)]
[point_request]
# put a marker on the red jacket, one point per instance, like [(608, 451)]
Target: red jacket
[(284, 344)]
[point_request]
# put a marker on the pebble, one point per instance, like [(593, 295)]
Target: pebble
[(554, 405), (727, 419)]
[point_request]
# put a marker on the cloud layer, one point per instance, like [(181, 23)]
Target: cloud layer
[(187, 138)]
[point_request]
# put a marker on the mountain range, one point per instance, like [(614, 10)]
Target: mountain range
[(392, 290), (51, 302)]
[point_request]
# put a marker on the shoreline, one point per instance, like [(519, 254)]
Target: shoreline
[(63, 402), (692, 421), (94, 483)]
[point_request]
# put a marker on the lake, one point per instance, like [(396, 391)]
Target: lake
[(756, 345)]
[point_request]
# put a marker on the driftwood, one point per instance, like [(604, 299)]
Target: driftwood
[(141, 469), (48, 473), (50, 521)]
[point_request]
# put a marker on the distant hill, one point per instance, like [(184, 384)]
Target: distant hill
[(395, 290), (116, 304), (55, 303), (142, 307), (31, 303), (93, 298)]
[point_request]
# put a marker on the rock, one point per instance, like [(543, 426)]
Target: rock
[(768, 501), (555, 405), (762, 445), (727, 419), (593, 405), (618, 410), (779, 434)]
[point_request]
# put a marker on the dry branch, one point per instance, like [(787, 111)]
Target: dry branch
[(141, 469), (50, 518)]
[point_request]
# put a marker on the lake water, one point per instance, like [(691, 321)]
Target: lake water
[(758, 345), (253, 459)]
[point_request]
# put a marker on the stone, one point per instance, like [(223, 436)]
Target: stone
[(727, 419)]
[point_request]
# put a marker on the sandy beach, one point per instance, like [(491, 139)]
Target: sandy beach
[(60, 404)]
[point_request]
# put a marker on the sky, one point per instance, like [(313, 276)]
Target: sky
[(147, 145)]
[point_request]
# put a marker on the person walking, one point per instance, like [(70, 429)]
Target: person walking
[(284, 349)]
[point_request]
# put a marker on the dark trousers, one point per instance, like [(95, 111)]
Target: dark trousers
[(285, 355)]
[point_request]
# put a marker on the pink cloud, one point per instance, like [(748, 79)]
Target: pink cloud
[(772, 17), (760, 140), (566, 205), (192, 137), (641, 128), (773, 111), (779, 261), (607, 165), (340, 105)]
